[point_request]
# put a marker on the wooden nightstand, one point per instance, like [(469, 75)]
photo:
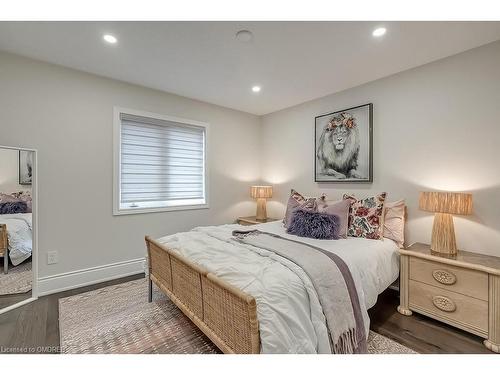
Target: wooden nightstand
[(251, 220), (461, 290)]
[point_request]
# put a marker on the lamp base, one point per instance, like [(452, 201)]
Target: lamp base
[(261, 209), (443, 234)]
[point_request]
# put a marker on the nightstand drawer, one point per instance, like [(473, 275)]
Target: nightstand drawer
[(465, 312), (455, 279)]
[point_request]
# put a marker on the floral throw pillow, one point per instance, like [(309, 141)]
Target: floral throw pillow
[(366, 216)]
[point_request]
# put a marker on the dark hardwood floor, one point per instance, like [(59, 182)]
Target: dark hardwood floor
[(11, 299), (34, 328)]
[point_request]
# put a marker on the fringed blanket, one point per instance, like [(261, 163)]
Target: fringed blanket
[(332, 281)]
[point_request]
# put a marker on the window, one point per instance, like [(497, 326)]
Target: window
[(160, 163)]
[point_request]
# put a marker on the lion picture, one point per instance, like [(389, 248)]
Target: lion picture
[(343, 151), (25, 167)]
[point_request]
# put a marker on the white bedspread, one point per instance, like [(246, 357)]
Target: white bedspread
[(376, 263), (19, 232), (290, 316)]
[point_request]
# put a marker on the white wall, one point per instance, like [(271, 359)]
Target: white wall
[(436, 127), (9, 171), (67, 115)]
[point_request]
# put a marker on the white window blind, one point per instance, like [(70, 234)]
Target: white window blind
[(162, 163)]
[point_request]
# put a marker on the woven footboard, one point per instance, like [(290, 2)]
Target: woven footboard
[(227, 315), (4, 247)]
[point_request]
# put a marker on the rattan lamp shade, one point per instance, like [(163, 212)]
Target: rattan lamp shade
[(261, 192), (443, 205), (448, 203)]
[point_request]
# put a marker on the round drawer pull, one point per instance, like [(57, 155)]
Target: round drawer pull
[(444, 277), (444, 303)]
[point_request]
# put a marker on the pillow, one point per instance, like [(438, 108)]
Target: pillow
[(394, 221), (309, 205), (295, 201), (13, 208), (24, 196), (366, 217), (339, 208), (8, 198), (317, 225)]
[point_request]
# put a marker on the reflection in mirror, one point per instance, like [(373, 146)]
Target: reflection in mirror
[(16, 239)]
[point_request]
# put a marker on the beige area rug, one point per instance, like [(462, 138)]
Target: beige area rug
[(118, 319), (17, 280)]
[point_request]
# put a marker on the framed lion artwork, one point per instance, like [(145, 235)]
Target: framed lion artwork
[(343, 145)]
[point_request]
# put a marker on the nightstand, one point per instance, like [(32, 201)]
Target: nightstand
[(251, 220), (461, 290)]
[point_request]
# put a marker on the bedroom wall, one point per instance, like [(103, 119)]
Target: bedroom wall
[(9, 171), (67, 115), (436, 127)]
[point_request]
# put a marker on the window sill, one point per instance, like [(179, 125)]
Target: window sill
[(145, 210)]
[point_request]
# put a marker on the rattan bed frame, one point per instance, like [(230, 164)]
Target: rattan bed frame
[(227, 315), (4, 247)]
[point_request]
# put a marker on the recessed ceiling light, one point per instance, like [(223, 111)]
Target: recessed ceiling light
[(256, 88), (110, 38), (379, 31), (244, 36)]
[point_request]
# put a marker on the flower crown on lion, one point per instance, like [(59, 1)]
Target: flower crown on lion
[(345, 119)]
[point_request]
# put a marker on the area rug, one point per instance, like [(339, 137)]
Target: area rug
[(17, 280), (118, 319)]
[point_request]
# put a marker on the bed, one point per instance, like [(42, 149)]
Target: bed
[(249, 300), (15, 238), (15, 227)]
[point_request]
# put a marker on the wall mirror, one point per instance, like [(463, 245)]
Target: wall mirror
[(17, 226)]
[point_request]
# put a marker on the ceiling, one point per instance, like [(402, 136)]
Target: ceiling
[(293, 61)]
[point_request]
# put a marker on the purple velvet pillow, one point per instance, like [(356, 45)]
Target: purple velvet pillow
[(317, 225), (13, 208)]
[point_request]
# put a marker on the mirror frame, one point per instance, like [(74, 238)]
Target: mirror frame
[(34, 253)]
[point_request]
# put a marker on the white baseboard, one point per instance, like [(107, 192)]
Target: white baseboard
[(88, 276)]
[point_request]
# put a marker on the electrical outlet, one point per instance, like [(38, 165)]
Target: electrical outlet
[(52, 257)]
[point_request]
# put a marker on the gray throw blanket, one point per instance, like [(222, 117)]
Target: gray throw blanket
[(332, 281)]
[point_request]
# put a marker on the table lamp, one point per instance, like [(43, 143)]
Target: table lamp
[(261, 193), (445, 204)]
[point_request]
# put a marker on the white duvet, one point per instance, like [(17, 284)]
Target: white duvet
[(19, 232), (290, 316)]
